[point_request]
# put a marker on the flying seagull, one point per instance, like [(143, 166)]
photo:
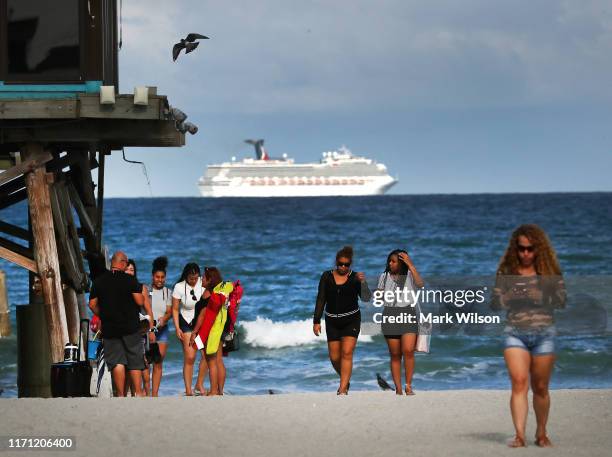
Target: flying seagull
[(188, 43)]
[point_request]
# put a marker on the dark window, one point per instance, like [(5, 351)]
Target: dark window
[(43, 40)]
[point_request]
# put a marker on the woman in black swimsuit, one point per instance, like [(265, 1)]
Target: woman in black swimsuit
[(338, 295)]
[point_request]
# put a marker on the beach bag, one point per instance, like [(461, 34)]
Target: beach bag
[(423, 341), (72, 377), (231, 341)]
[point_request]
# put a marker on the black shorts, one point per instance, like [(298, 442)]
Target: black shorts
[(185, 326), (338, 327), (126, 350)]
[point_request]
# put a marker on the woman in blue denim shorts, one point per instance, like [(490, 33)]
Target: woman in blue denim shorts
[(530, 287), (161, 305)]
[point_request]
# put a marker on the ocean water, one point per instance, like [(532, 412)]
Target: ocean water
[(279, 247)]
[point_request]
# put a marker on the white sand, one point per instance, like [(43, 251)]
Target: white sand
[(441, 423)]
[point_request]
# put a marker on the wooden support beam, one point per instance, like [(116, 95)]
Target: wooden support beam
[(12, 186), (73, 318), (67, 160), (16, 248), (24, 167), (18, 259), (45, 253), (82, 194), (38, 109), (5, 321), (117, 133), (87, 106), (15, 197), (75, 242), (86, 223), (56, 165), (15, 231), (101, 161), (80, 173), (69, 248), (123, 108)]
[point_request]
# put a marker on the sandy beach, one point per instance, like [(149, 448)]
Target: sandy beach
[(432, 423)]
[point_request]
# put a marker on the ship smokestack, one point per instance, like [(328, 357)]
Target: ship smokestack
[(260, 152)]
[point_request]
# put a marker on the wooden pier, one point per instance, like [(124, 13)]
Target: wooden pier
[(55, 135)]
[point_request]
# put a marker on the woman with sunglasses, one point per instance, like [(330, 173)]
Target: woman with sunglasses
[(400, 273), (529, 285), (185, 295), (339, 293)]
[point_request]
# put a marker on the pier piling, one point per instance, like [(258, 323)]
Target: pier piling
[(5, 322)]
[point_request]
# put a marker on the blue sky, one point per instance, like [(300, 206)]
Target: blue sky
[(453, 96)]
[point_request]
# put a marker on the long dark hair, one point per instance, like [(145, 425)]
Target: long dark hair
[(403, 268), (133, 263), (160, 264), (189, 269)]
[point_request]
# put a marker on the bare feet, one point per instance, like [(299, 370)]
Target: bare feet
[(202, 391), (517, 442), (409, 390), (543, 441), (398, 391)]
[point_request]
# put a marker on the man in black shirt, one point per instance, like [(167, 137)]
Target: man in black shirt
[(116, 297)]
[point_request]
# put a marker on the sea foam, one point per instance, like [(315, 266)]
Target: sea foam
[(265, 333)]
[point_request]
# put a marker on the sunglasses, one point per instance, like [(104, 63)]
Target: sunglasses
[(193, 295), (343, 264), (522, 248)]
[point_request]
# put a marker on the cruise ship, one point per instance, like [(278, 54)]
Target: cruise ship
[(339, 173)]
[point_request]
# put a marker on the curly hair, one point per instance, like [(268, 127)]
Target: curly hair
[(160, 264), (546, 262)]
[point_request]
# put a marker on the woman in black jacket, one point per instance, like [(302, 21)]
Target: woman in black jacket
[(339, 291)]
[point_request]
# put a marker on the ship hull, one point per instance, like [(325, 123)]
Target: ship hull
[(374, 186)]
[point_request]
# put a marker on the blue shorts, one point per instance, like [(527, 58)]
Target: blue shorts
[(162, 335), (536, 342)]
